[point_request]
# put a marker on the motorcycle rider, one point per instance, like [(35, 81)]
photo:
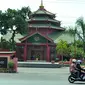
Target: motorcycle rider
[(73, 67), (79, 68)]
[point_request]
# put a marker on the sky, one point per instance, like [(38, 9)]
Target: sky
[(67, 11)]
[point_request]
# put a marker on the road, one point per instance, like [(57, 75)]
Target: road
[(37, 76)]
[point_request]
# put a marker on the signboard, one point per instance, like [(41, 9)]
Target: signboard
[(3, 62)]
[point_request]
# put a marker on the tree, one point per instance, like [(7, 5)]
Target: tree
[(79, 51), (62, 48), (76, 47), (19, 19), (4, 44), (81, 30), (15, 18), (73, 31)]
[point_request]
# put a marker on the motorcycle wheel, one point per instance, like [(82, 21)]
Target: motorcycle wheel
[(71, 79)]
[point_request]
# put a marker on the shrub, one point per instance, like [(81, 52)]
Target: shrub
[(10, 64)]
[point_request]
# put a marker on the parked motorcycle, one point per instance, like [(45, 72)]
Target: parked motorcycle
[(73, 77)]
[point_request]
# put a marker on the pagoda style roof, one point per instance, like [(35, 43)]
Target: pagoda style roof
[(46, 26), (42, 10), (53, 37), (61, 35), (28, 36), (43, 19)]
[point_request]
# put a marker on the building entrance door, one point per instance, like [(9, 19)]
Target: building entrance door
[(37, 54)]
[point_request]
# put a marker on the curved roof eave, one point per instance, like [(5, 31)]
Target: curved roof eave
[(43, 11), (30, 20), (49, 28)]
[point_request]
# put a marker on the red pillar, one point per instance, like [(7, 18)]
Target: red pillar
[(25, 52), (48, 53)]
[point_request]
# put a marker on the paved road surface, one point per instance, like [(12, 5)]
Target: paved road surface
[(37, 76)]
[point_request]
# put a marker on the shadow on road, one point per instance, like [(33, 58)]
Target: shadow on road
[(80, 83)]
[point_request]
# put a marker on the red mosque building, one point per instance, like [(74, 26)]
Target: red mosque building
[(42, 31)]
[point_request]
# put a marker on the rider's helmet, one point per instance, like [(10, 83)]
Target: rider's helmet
[(79, 61), (74, 60)]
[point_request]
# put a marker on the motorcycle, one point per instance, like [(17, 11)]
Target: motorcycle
[(73, 77)]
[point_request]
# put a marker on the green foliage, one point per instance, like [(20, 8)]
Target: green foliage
[(6, 44), (79, 31), (62, 48), (76, 52), (71, 31), (17, 18), (81, 26), (79, 44), (10, 64), (21, 24), (38, 56)]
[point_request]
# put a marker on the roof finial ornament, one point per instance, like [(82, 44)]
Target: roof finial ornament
[(41, 2), (41, 6)]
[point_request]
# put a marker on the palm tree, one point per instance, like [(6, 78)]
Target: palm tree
[(73, 31), (81, 34)]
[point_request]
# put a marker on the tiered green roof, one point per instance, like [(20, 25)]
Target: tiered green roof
[(43, 19), (45, 26), (61, 35), (43, 11)]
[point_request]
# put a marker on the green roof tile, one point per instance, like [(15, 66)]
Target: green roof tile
[(45, 25), (43, 11), (43, 16), (43, 19), (56, 36)]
